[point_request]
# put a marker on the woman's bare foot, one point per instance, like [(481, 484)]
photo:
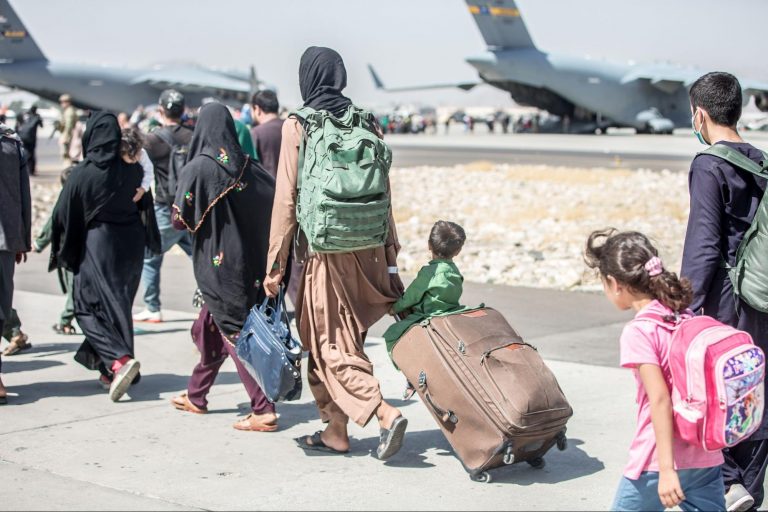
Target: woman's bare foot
[(387, 415), (334, 436), (266, 422)]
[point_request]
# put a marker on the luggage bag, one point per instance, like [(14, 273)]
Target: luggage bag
[(493, 397)]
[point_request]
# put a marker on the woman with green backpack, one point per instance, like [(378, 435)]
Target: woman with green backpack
[(333, 196)]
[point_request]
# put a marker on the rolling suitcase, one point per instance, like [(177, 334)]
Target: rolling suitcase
[(490, 392)]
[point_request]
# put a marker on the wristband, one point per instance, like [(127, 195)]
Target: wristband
[(392, 270)]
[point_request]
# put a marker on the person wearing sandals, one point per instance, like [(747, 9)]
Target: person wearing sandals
[(43, 240), (18, 341), (15, 223), (224, 199), (342, 294), (98, 234)]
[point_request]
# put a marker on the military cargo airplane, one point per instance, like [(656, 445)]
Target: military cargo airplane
[(588, 95), (24, 66)]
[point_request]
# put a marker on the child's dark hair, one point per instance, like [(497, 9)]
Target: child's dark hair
[(446, 239), (131, 142), (719, 94), (624, 255)]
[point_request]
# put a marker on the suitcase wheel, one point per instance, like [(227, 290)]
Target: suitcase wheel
[(484, 477), (562, 442), (537, 463)]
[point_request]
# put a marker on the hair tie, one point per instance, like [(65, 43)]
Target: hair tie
[(654, 266)]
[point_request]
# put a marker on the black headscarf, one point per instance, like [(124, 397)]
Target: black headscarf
[(101, 140), (91, 185), (215, 137), (227, 205), (322, 77)]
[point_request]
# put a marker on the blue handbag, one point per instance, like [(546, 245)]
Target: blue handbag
[(269, 352)]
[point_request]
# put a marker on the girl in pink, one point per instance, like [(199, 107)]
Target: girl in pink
[(663, 470)]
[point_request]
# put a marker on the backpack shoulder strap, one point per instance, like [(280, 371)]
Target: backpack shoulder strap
[(738, 159), (659, 320)]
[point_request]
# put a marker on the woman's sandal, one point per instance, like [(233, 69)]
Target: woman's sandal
[(66, 329), (315, 443), (250, 424), (391, 439), (182, 403)]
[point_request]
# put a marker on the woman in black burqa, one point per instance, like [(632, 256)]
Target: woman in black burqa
[(99, 233), (225, 200)]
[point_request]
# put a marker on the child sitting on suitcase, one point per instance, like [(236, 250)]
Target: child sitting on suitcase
[(437, 288), (663, 471)]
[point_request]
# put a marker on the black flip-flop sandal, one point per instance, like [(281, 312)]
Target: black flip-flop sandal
[(391, 439), (3, 400), (317, 444)]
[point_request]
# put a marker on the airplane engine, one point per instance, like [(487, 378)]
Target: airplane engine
[(761, 101)]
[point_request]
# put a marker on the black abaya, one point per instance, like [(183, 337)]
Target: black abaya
[(102, 238)]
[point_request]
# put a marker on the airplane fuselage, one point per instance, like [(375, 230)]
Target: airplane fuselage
[(580, 87), (94, 87)]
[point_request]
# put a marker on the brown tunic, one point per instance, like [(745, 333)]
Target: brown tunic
[(342, 296)]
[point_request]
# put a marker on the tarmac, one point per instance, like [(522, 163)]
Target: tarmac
[(65, 446)]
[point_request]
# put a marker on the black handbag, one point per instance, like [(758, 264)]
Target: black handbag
[(269, 352)]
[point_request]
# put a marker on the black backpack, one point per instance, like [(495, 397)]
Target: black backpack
[(177, 158)]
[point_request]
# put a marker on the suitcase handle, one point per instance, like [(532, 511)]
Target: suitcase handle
[(445, 415)]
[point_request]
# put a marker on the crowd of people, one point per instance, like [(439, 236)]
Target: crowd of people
[(228, 197)]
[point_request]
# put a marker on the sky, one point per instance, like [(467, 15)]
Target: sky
[(408, 41)]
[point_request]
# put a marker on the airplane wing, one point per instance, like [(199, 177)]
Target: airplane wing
[(466, 86), (666, 79), (669, 79), (192, 79)]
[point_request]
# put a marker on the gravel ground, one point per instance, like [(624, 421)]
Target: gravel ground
[(526, 225)]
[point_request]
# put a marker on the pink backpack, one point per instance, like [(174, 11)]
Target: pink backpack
[(717, 381)]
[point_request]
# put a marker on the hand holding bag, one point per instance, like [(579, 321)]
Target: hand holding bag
[(269, 352)]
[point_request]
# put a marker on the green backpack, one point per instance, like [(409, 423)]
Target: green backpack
[(749, 274), (343, 185)]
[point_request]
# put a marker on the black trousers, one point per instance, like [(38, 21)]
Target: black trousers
[(745, 464)]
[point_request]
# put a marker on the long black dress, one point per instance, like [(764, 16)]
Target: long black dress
[(98, 234)]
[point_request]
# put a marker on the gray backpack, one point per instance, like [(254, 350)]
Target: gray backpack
[(749, 274)]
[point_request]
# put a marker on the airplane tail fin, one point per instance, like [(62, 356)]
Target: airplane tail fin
[(16, 44), (500, 23)]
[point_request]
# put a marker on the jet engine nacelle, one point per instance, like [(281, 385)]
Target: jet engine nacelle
[(761, 101)]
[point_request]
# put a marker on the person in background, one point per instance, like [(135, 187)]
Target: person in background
[(224, 200), (132, 151), (68, 122), (15, 223), (157, 145), (724, 201), (245, 140), (27, 131), (267, 129), (98, 234)]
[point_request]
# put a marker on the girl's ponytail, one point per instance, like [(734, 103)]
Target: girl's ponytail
[(631, 259)]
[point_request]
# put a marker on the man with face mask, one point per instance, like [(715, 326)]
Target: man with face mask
[(724, 201)]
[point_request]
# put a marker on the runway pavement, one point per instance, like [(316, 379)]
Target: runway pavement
[(65, 446), (621, 150)]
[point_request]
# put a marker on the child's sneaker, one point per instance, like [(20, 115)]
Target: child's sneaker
[(737, 499)]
